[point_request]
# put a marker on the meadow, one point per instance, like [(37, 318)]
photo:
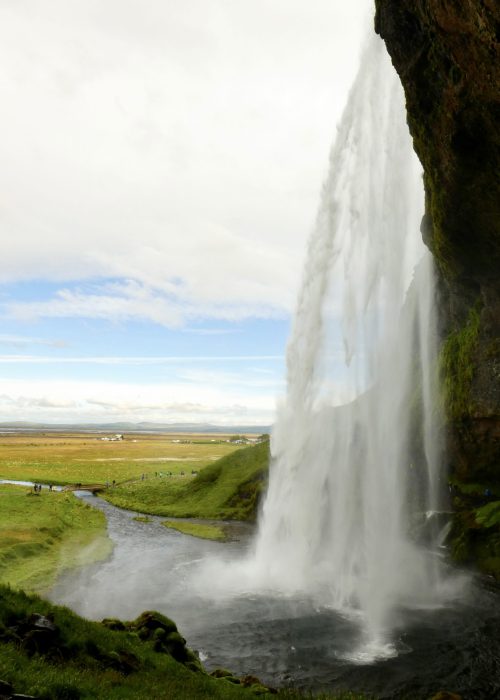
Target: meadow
[(69, 458)]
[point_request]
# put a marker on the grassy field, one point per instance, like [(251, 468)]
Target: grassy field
[(203, 530), (68, 458), (43, 534), (228, 489)]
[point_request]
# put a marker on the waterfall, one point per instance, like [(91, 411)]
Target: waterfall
[(356, 449)]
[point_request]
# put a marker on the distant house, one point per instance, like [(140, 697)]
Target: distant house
[(113, 438)]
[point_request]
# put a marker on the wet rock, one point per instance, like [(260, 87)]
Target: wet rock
[(38, 634), (40, 622)]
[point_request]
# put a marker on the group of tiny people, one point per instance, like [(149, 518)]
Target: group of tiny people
[(37, 488)]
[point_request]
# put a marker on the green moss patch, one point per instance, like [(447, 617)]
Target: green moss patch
[(457, 367), (488, 515)]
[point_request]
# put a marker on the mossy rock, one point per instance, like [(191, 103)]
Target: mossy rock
[(232, 679), (457, 365), (159, 634), (123, 661), (175, 645), (114, 624), (220, 673), (149, 621)]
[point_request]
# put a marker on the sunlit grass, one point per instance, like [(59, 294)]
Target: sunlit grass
[(71, 458), (43, 534), (203, 530), (228, 489)]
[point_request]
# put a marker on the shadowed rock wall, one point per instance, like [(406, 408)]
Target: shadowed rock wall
[(446, 53)]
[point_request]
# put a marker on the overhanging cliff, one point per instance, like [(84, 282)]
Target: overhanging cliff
[(446, 53)]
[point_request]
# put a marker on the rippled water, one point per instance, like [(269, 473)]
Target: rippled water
[(284, 641)]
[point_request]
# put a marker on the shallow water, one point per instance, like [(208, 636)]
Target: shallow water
[(284, 641)]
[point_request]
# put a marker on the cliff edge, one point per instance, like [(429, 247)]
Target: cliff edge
[(446, 53)]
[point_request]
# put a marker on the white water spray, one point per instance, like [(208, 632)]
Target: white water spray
[(345, 479)]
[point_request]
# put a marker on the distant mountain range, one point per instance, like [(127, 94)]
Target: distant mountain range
[(136, 427)]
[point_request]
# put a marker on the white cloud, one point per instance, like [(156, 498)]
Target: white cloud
[(21, 341), (147, 360), (130, 300), (68, 401), (180, 147)]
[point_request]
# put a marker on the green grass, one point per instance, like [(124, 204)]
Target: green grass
[(139, 660), (86, 659), (41, 535), (228, 489), (202, 530), (76, 458)]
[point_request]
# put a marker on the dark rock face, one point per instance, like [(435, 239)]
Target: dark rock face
[(446, 53)]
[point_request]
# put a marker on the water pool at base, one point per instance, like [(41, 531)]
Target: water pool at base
[(283, 641)]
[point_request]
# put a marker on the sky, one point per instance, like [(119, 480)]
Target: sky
[(162, 163)]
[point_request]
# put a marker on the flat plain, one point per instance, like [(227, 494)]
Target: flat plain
[(68, 458)]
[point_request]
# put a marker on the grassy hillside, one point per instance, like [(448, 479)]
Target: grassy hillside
[(228, 489), (48, 652), (42, 534)]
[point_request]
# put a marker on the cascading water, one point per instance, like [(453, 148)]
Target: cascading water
[(346, 475)]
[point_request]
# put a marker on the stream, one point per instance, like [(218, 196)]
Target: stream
[(282, 640)]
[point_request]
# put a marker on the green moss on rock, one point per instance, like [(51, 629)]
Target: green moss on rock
[(457, 364)]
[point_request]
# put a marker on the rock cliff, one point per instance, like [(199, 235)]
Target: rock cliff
[(446, 53)]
